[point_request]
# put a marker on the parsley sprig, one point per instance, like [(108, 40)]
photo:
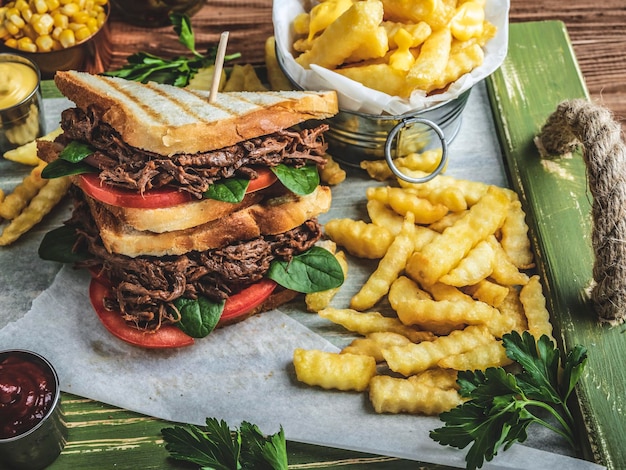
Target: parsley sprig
[(501, 405), (178, 71), (218, 447)]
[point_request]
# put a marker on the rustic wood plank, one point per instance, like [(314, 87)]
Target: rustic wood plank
[(557, 201)]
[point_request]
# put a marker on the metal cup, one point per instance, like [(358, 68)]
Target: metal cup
[(23, 121), (38, 446)]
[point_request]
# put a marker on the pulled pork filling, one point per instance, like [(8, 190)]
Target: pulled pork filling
[(145, 287), (129, 167)]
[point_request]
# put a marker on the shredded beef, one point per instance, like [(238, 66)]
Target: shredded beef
[(147, 286), (137, 169)]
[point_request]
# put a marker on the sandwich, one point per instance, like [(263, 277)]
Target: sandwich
[(190, 215)]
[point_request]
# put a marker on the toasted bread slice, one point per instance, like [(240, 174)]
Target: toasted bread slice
[(271, 217), (168, 120), (181, 216)]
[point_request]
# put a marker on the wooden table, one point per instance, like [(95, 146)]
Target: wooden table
[(596, 29)]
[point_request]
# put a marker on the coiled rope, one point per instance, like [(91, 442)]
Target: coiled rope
[(581, 122)]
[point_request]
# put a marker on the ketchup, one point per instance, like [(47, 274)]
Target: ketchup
[(27, 390)]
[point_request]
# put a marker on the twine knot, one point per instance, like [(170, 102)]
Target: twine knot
[(581, 122)]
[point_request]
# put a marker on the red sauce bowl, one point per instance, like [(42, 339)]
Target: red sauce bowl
[(32, 428)]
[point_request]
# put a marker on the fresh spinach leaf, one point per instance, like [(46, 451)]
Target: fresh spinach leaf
[(60, 167), (228, 190), (59, 245), (314, 270), (76, 151), (198, 317), (301, 181)]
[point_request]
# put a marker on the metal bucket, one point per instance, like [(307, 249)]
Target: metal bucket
[(354, 137)]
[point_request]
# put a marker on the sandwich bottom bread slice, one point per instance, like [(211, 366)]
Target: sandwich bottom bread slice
[(189, 215)]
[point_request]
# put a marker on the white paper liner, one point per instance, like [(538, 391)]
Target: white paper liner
[(353, 96)]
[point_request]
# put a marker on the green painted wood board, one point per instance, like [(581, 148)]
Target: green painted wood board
[(523, 93)]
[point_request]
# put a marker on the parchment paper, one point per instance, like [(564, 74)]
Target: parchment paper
[(355, 97), (244, 372)]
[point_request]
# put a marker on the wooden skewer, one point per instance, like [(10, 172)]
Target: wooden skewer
[(219, 65)]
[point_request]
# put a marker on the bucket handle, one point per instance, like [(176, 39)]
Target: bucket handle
[(392, 135)]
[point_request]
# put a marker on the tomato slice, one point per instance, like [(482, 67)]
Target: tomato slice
[(154, 198), (165, 337), (238, 306)]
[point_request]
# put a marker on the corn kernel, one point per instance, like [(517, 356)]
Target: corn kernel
[(70, 9), (82, 34), (11, 42), (56, 33), (44, 24), (41, 6), (11, 28), (13, 15), (52, 4), (80, 17), (44, 43), (60, 20), (21, 4), (3, 32), (26, 13), (93, 25), (65, 2), (26, 44), (67, 38)]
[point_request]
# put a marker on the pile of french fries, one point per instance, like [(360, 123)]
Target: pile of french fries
[(455, 266), (395, 46), (33, 198)]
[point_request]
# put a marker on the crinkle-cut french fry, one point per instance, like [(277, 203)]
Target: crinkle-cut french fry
[(372, 322), (504, 271), (419, 32), (356, 26), (491, 354), (359, 238), (277, 79), (413, 358), (447, 312), (384, 216), (473, 191), (426, 161), (203, 79), (316, 301), (488, 292), (397, 395), (27, 153), (476, 266), (514, 239), (446, 221), (512, 307), (332, 173), (450, 197), (19, 198), (381, 77), (437, 377), (331, 370), (408, 10), (403, 202), (431, 62), (39, 206), (388, 270), (373, 344), (460, 63), (448, 249), (534, 303)]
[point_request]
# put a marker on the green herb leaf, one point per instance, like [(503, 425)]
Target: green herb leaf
[(177, 71), (59, 245), (262, 452), (312, 271), (228, 190), (212, 446), (501, 406), (60, 167), (198, 317), (215, 446), (301, 181)]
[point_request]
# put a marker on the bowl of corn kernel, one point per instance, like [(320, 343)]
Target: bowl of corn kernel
[(57, 34)]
